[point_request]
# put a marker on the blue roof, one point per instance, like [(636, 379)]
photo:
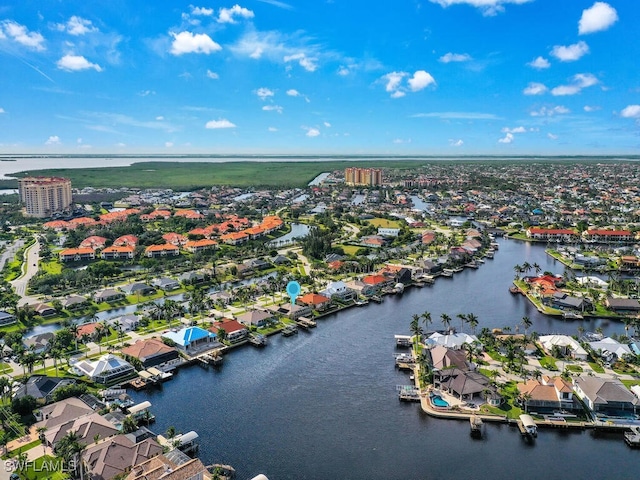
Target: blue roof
[(188, 335)]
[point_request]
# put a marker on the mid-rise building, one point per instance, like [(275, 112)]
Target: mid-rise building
[(371, 177), (44, 196)]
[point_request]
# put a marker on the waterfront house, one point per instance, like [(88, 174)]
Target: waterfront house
[(173, 465), (165, 283), (256, 318), (117, 456), (192, 278), (606, 396), (622, 305), (294, 311), (127, 323), (339, 290), (74, 301), (607, 236), (609, 349), (453, 341), (116, 252), (107, 369), (151, 352), (44, 309), (234, 330), (552, 234), (39, 343), (223, 297), (564, 301), (315, 301), (137, 288), (108, 295), (547, 395), (567, 346), (443, 358), (192, 339), (373, 241), (377, 282), (464, 384)]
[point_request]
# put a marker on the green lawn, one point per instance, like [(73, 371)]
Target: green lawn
[(384, 223), (596, 367), (549, 363)]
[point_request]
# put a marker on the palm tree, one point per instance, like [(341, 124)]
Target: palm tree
[(472, 320), (446, 321), (537, 268), (426, 319), (463, 318), (43, 439), (129, 424), (415, 328), (69, 449), (526, 323)]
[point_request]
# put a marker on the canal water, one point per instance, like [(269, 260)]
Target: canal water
[(323, 405)]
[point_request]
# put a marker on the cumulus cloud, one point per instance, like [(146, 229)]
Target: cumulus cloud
[(312, 132), (272, 108), (597, 18), (187, 42), (514, 130), (456, 143), (630, 111), (76, 63), (549, 111), (309, 64), (221, 123), (420, 80), (454, 57), (326, 124), (20, 34), (508, 138), (53, 140), (77, 26), (489, 8), (292, 92), (591, 108), (201, 11), (535, 89), (570, 53), (343, 71), (212, 75), (229, 15), (264, 93), (578, 82), (539, 63), (146, 93)]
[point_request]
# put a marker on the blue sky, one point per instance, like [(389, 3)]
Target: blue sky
[(432, 77)]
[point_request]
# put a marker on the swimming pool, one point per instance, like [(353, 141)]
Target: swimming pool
[(438, 401)]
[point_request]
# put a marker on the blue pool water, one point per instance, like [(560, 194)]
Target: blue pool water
[(438, 401)]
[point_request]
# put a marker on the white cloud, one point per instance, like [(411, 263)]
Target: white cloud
[(535, 89), (457, 115), (53, 140), (539, 63), (454, 57), (201, 11), (77, 26), (2, 110), (420, 80), (570, 53), (216, 124), (549, 111), (489, 8), (160, 118), (20, 34), (228, 15), (264, 93), (146, 93), (393, 80), (456, 143), (76, 63), (599, 17), (327, 124), (630, 111), (187, 42), (551, 136), (312, 132), (514, 130), (292, 92), (212, 75), (309, 64), (272, 108), (168, 144), (399, 141), (278, 4), (398, 94), (343, 71), (272, 129), (578, 82), (591, 108), (508, 138)]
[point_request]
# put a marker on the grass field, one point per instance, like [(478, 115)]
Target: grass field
[(384, 223), (194, 175)]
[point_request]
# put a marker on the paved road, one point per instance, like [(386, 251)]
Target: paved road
[(29, 269)]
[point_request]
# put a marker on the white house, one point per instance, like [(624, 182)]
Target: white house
[(104, 370), (454, 341), (568, 345)]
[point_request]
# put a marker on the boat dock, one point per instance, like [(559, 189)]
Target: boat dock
[(632, 438), (527, 426), (476, 426), (403, 341), (306, 323), (289, 329), (214, 359), (408, 393)]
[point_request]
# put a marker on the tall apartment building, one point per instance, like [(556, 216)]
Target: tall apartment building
[(44, 196), (371, 177)]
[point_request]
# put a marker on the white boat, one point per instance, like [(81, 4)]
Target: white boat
[(528, 426)]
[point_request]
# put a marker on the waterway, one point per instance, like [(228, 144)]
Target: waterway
[(323, 405)]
